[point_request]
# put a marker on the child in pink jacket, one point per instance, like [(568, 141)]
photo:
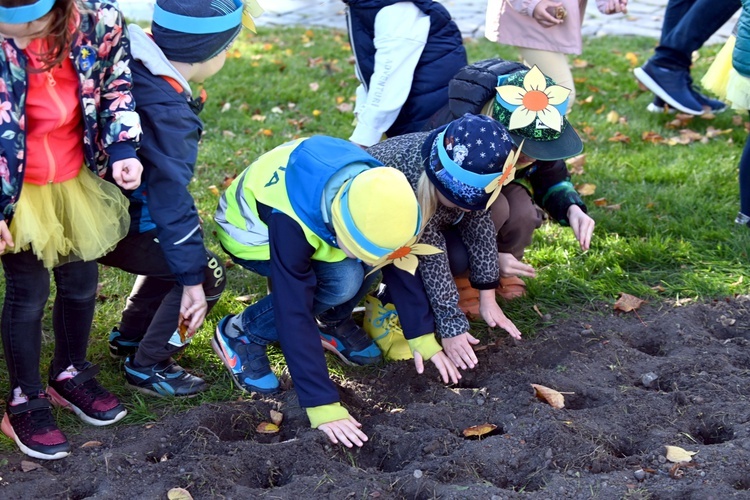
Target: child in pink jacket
[(544, 31)]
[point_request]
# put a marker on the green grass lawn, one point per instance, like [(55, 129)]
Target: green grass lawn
[(665, 228)]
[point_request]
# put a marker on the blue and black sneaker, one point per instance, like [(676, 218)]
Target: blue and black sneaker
[(165, 378), (119, 347), (673, 86), (349, 342), (246, 361)]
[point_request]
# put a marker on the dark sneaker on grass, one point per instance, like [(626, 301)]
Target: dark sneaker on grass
[(121, 348), (33, 428), (671, 85), (83, 395), (246, 361), (166, 378), (713, 105), (349, 342)]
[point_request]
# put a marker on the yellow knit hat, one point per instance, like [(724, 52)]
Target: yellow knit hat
[(375, 213)]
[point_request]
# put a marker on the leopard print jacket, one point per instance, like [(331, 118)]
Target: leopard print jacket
[(477, 232)]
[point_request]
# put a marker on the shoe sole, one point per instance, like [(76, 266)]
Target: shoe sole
[(153, 392), (220, 353), (654, 87), (332, 348), (57, 399), (8, 431)]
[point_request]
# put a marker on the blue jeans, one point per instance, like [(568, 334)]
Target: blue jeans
[(340, 287), (27, 288), (745, 179), (686, 27)]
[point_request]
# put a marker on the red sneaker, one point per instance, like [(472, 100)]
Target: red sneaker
[(84, 396), (33, 428)]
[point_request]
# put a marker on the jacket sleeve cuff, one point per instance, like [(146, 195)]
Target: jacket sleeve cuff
[(323, 414), (120, 151), (559, 198), (426, 345)]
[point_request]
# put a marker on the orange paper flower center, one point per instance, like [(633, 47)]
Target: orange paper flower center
[(400, 253), (535, 100)]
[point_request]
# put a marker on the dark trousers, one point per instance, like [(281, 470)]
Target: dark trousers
[(153, 308), (745, 179), (686, 27), (27, 288)]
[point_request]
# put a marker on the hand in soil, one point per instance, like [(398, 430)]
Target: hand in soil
[(494, 316), (448, 371), (459, 350), (346, 431)]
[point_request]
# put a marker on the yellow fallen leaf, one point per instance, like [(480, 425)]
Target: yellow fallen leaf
[(276, 417), (214, 190), (580, 63), (479, 430), (613, 117), (627, 302), (551, 396), (586, 189), (316, 112), (676, 454), (632, 59), (267, 428), (179, 494)]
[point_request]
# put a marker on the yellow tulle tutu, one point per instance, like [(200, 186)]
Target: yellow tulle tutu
[(738, 90), (716, 78), (79, 219)]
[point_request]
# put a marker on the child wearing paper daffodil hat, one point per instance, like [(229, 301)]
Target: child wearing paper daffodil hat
[(317, 215)]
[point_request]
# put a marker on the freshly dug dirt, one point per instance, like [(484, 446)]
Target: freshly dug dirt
[(634, 383)]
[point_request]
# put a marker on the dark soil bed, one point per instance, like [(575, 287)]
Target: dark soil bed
[(667, 376)]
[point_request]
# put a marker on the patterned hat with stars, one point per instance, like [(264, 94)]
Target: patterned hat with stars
[(466, 156)]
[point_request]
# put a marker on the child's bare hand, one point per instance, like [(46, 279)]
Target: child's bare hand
[(582, 225), (127, 173), (494, 316), (542, 13), (193, 307), (6, 239), (616, 6), (448, 371), (510, 266), (459, 350), (345, 431)]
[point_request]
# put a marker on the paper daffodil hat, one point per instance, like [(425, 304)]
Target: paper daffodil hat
[(533, 108), (193, 31), (467, 156), (376, 216)]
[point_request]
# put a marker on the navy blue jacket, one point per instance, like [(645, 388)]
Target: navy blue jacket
[(442, 57), (168, 152)]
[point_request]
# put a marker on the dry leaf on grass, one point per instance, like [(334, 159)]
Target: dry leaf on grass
[(554, 398), (619, 137), (267, 428), (345, 107), (632, 59), (479, 430), (676, 454), (627, 302), (613, 117), (27, 466), (214, 190), (179, 494), (575, 164), (276, 417), (586, 189)]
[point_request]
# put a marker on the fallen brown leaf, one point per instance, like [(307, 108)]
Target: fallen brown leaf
[(214, 190), (479, 430), (650, 136), (580, 63), (91, 444), (27, 466), (632, 59), (345, 107), (554, 398), (627, 302), (615, 206), (613, 117), (600, 202), (575, 164), (676, 454), (619, 137)]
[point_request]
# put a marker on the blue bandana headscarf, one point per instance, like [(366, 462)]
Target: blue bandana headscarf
[(26, 13)]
